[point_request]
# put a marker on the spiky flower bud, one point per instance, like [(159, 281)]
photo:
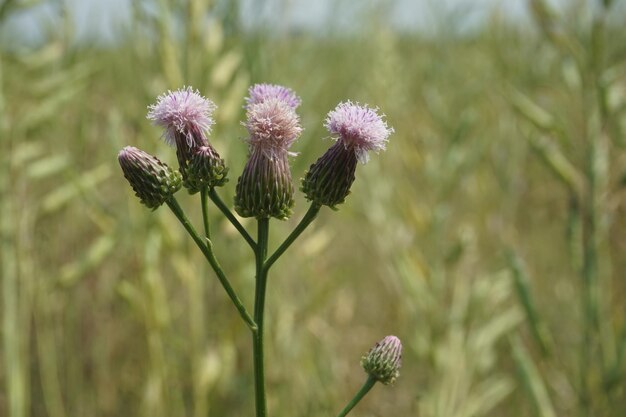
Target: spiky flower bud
[(328, 181), (261, 92), (357, 130), (383, 361), (205, 170), (153, 181), (265, 188), (185, 116)]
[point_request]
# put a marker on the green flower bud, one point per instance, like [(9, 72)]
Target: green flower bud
[(265, 188), (205, 169), (328, 181), (153, 181), (383, 361)]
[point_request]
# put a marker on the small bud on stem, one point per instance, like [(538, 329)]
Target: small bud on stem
[(153, 181), (383, 361)]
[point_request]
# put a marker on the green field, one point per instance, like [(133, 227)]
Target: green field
[(490, 236)]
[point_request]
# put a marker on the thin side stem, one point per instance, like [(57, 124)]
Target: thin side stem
[(259, 308), (304, 223), (224, 209), (205, 213), (367, 386), (207, 251)]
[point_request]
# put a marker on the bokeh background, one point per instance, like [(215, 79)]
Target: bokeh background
[(489, 236)]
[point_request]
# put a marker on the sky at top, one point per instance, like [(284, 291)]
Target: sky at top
[(104, 20)]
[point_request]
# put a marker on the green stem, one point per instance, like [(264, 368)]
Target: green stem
[(359, 396), (224, 209), (259, 306), (306, 220), (207, 251), (205, 213)]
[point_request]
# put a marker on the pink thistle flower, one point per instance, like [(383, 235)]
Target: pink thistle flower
[(186, 118), (273, 126), (359, 128), (184, 113), (262, 92), (265, 187)]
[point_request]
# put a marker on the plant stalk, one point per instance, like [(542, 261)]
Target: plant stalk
[(310, 215), (207, 251), (205, 213), (259, 306), (224, 209), (367, 386)]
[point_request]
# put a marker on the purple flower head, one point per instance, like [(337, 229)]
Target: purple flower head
[(262, 92), (273, 126), (183, 112), (359, 128)]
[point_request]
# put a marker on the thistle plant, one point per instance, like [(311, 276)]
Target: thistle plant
[(264, 190)]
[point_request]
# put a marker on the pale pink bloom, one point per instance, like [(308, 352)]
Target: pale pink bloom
[(261, 92), (184, 113), (273, 126), (359, 128)]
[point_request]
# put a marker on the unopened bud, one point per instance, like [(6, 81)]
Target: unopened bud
[(153, 181), (383, 361), (205, 170)]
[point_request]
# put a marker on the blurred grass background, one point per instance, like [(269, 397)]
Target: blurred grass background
[(489, 237)]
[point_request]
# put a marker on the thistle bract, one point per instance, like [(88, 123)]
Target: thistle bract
[(383, 361), (265, 188), (205, 170), (328, 181), (153, 181)]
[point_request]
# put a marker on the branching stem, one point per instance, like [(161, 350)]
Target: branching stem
[(206, 247), (231, 217), (310, 215)]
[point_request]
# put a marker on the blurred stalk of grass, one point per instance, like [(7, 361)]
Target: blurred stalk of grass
[(582, 145), (457, 239)]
